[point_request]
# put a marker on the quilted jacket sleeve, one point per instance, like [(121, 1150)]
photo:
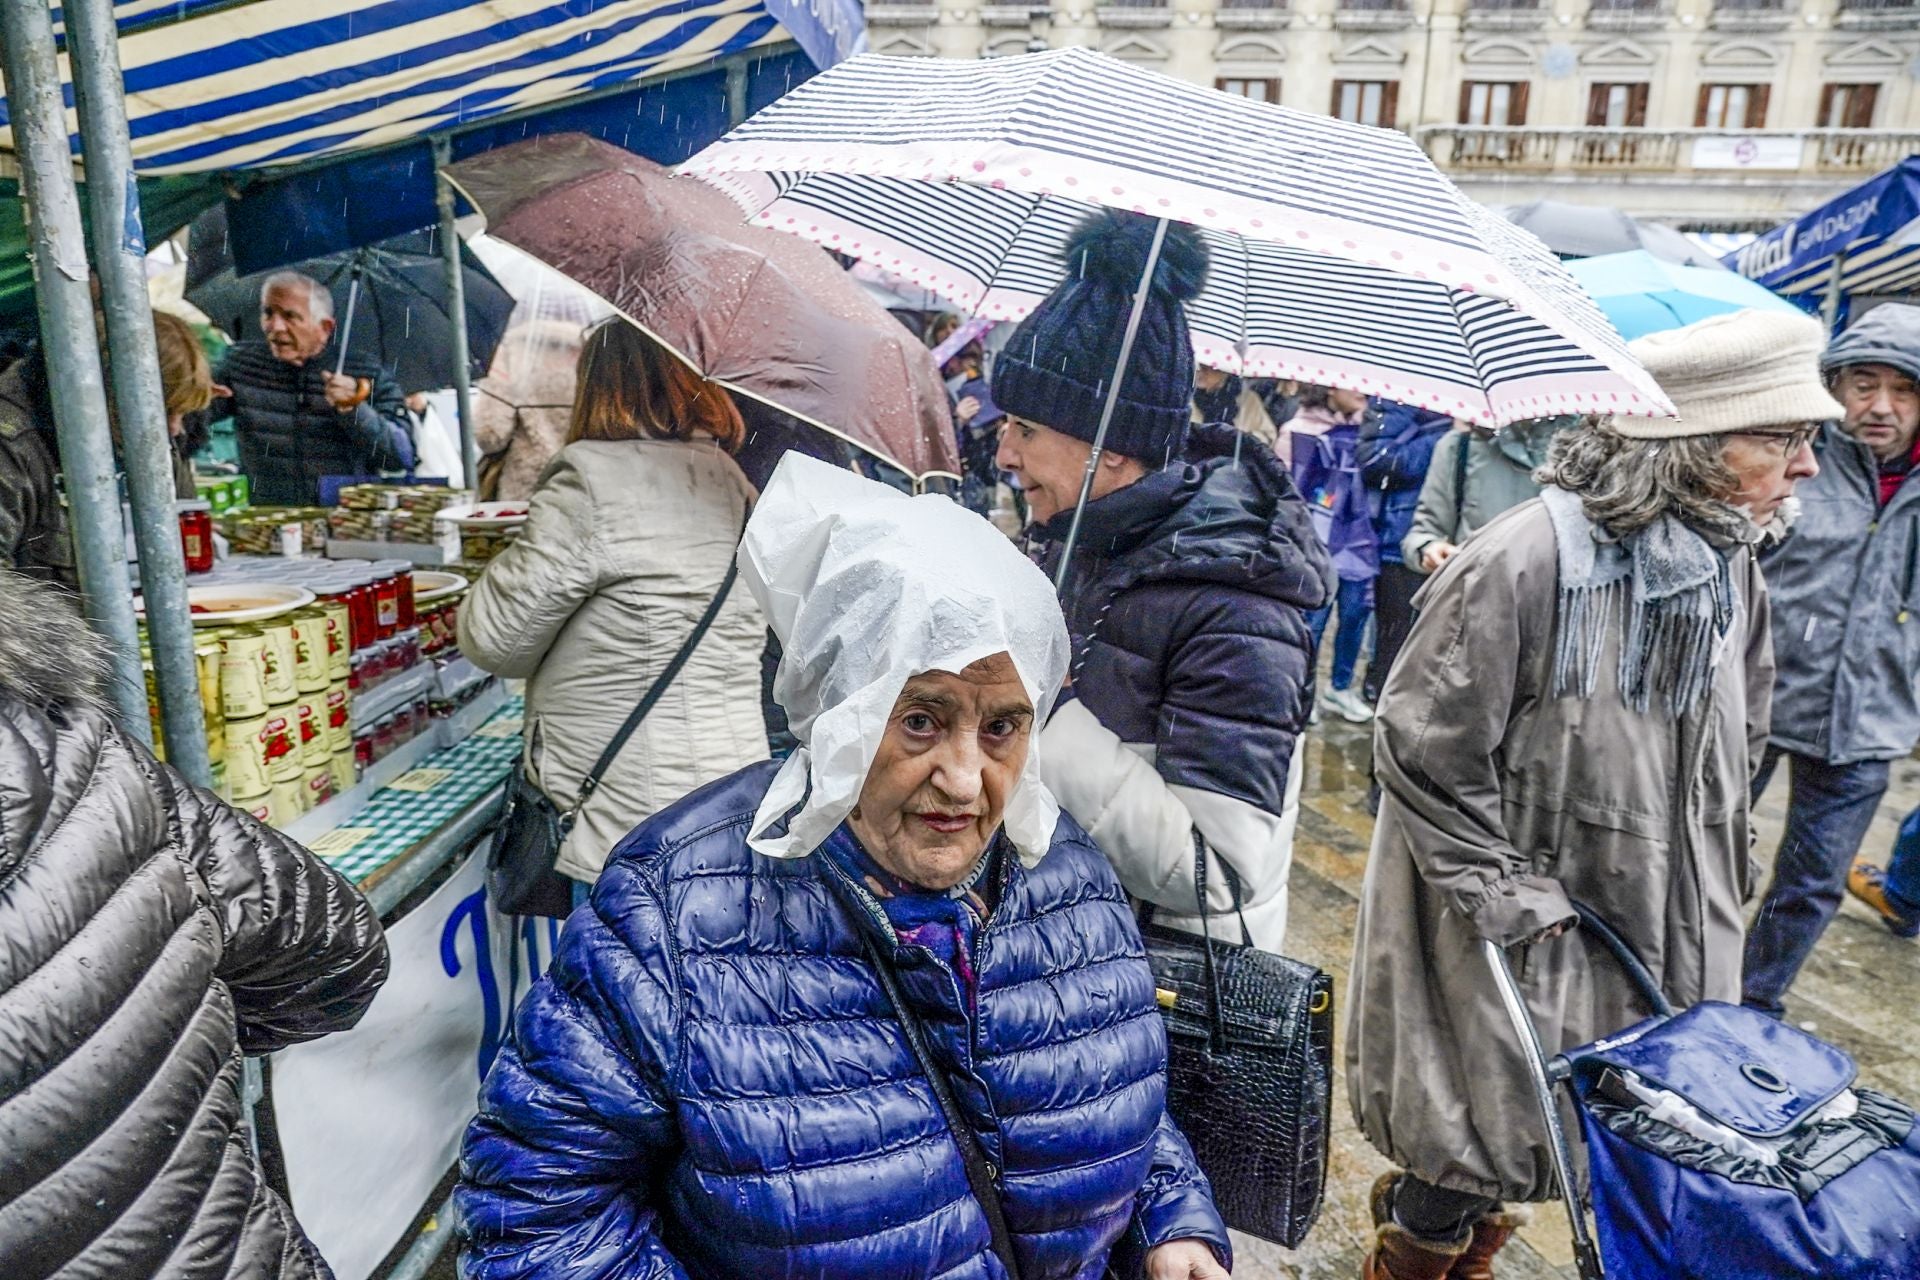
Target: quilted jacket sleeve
[(1175, 1203), (562, 1171), (382, 426), (530, 590), (303, 953)]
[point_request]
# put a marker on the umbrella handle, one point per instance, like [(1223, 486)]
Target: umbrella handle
[(346, 328), (1113, 398)]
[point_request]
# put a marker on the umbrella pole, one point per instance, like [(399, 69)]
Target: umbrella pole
[(457, 314), (1113, 399), (346, 326)]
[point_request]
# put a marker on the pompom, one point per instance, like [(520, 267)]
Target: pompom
[(1111, 247)]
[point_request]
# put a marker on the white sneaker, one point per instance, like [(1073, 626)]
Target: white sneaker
[(1348, 705)]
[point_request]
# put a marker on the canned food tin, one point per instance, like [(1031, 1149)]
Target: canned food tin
[(339, 718), (310, 719), (341, 765), (339, 637), (281, 661), (287, 800), (248, 773), (317, 784), (217, 775), (310, 650), (153, 705), (206, 661), (282, 737), (260, 806), (243, 673)]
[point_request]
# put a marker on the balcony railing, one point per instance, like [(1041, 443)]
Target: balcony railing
[(1241, 15), (1700, 151), (1372, 15), (1878, 15)]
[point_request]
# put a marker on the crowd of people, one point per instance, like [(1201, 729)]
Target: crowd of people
[(854, 982)]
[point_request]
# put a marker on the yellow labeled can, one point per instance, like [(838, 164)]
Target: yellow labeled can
[(310, 718), (340, 765), (153, 706), (248, 774), (339, 638), (316, 784), (287, 800), (339, 717), (243, 673), (281, 661), (281, 734), (260, 806), (206, 661), (310, 650)]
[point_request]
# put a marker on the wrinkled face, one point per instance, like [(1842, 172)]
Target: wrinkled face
[(1051, 465), (288, 324), (1346, 403), (1765, 465), (1883, 408), (938, 786)]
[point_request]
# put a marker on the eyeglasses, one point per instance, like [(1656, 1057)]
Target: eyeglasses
[(1787, 444)]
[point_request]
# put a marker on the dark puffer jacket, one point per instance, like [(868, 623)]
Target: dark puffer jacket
[(152, 935), (1396, 448), (289, 434), (1187, 609), (710, 1082)]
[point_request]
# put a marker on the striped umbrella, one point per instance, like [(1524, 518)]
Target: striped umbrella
[(1341, 256)]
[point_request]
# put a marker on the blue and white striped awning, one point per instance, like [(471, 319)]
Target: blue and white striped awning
[(214, 85)]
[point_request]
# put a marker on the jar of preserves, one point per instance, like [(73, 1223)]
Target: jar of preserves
[(386, 595), (196, 534)]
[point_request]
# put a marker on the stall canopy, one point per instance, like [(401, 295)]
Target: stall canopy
[(1864, 243), (315, 118)]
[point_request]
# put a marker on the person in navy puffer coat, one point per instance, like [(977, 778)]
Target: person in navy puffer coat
[(713, 1080), (1396, 448)]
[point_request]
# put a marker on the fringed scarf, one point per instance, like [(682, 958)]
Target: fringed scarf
[(1672, 591)]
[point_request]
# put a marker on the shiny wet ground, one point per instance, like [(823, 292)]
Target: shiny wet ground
[(1860, 991)]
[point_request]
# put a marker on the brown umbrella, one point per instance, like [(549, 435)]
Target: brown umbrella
[(761, 312)]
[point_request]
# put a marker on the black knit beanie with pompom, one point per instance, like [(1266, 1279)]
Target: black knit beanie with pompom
[(1056, 368)]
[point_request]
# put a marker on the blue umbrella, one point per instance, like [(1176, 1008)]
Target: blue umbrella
[(1643, 294)]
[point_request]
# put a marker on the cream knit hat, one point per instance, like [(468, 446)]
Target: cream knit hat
[(1743, 371)]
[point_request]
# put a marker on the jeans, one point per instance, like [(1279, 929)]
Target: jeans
[(582, 894), (1829, 807), (1903, 869), (1393, 594), (1436, 1213), (1354, 603)]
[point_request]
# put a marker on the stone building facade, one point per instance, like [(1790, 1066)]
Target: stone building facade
[(1712, 113)]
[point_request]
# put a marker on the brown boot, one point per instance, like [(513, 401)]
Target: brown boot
[(1398, 1254), (1490, 1235)]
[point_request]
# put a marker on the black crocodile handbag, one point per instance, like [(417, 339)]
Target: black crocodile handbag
[(1249, 1069)]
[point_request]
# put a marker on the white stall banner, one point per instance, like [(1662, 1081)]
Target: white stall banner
[(371, 1119), (1746, 152)]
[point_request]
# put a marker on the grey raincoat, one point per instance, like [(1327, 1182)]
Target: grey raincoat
[(1502, 803), (1499, 478)]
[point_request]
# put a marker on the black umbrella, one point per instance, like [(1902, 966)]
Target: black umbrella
[(389, 299)]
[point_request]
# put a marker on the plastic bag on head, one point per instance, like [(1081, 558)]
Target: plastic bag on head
[(867, 588)]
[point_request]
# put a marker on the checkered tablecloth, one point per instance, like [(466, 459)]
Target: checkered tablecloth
[(395, 820)]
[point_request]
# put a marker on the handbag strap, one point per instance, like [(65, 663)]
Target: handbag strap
[(1460, 484), (653, 695), (1216, 1017), (979, 1171)]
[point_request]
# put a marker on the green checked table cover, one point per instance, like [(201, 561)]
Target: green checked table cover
[(417, 803)]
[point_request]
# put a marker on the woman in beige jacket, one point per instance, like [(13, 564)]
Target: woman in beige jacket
[(630, 534)]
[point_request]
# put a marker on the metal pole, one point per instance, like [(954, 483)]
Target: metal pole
[(441, 1230), (1113, 398), (119, 255), (78, 391), (1830, 305), (457, 303)]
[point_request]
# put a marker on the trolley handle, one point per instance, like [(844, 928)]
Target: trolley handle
[(1637, 972)]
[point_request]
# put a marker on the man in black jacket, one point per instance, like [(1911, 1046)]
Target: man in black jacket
[(295, 419), (154, 934), (1188, 593)]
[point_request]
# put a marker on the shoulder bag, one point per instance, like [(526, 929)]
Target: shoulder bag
[(972, 1155), (1249, 1068), (520, 875)]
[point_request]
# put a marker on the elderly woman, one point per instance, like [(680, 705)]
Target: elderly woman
[(1575, 717), (881, 1011)]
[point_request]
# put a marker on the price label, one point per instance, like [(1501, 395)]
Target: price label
[(339, 840), (420, 779), (506, 727)]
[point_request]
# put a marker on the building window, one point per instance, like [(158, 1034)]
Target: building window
[(1257, 89), (1617, 106), (1494, 102), (1731, 106), (1848, 106), (1374, 102)]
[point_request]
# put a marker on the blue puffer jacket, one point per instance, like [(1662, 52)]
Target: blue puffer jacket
[(710, 1082), (1396, 448)]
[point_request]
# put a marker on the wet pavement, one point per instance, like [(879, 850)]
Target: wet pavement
[(1859, 990)]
